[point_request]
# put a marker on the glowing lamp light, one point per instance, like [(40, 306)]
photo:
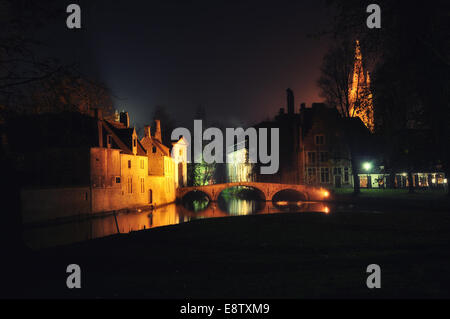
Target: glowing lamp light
[(326, 210), (445, 181), (367, 166), (326, 194), (433, 181)]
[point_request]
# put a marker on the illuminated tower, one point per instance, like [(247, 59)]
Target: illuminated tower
[(360, 95)]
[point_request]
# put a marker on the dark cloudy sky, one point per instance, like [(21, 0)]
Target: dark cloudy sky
[(234, 58)]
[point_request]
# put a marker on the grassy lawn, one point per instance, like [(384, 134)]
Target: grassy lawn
[(395, 193), (295, 255)]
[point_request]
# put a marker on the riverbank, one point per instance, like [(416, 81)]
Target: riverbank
[(292, 255)]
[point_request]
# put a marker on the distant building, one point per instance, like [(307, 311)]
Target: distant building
[(238, 168), (313, 147), (379, 178), (78, 164), (179, 154)]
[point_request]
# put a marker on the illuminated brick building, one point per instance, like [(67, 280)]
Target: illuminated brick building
[(80, 164), (313, 147)]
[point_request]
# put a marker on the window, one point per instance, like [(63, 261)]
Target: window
[(130, 185), (337, 171), (117, 180), (129, 163), (181, 152), (109, 141), (323, 157), (324, 175), (154, 149), (311, 171), (134, 142), (346, 174), (320, 139), (311, 175), (311, 158), (142, 164), (142, 185)]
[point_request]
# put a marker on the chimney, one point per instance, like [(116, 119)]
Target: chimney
[(158, 131), (125, 119), (290, 101), (147, 130)]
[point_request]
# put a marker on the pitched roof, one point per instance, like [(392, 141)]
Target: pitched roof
[(148, 142), (123, 136), (67, 130)]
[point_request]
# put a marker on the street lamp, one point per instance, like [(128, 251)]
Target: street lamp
[(367, 166)]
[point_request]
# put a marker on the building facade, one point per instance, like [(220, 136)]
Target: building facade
[(94, 166)]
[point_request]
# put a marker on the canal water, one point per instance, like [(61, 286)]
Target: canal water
[(62, 233)]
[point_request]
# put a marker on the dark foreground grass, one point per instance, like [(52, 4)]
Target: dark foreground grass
[(297, 255), (403, 193)]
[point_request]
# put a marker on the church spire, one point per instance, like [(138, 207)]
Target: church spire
[(360, 95)]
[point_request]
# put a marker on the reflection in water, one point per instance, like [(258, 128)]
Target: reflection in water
[(236, 206), (52, 234)]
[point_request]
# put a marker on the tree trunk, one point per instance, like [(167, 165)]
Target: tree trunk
[(410, 182), (447, 172), (392, 180), (356, 186)]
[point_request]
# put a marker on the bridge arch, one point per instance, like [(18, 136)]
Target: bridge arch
[(259, 194), (196, 194), (289, 195), (269, 190)]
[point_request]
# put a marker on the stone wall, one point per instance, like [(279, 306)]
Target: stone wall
[(50, 203)]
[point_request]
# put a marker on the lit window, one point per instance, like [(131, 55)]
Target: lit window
[(324, 175)]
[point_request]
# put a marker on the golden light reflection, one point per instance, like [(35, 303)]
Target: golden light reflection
[(282, 203), (167, 215)]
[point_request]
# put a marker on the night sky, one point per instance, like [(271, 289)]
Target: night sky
[(234, 59)]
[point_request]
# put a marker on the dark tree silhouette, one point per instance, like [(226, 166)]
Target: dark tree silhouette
[(335, 84), (412, 74)]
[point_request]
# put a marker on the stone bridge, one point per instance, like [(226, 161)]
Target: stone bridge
[(309, 193)]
